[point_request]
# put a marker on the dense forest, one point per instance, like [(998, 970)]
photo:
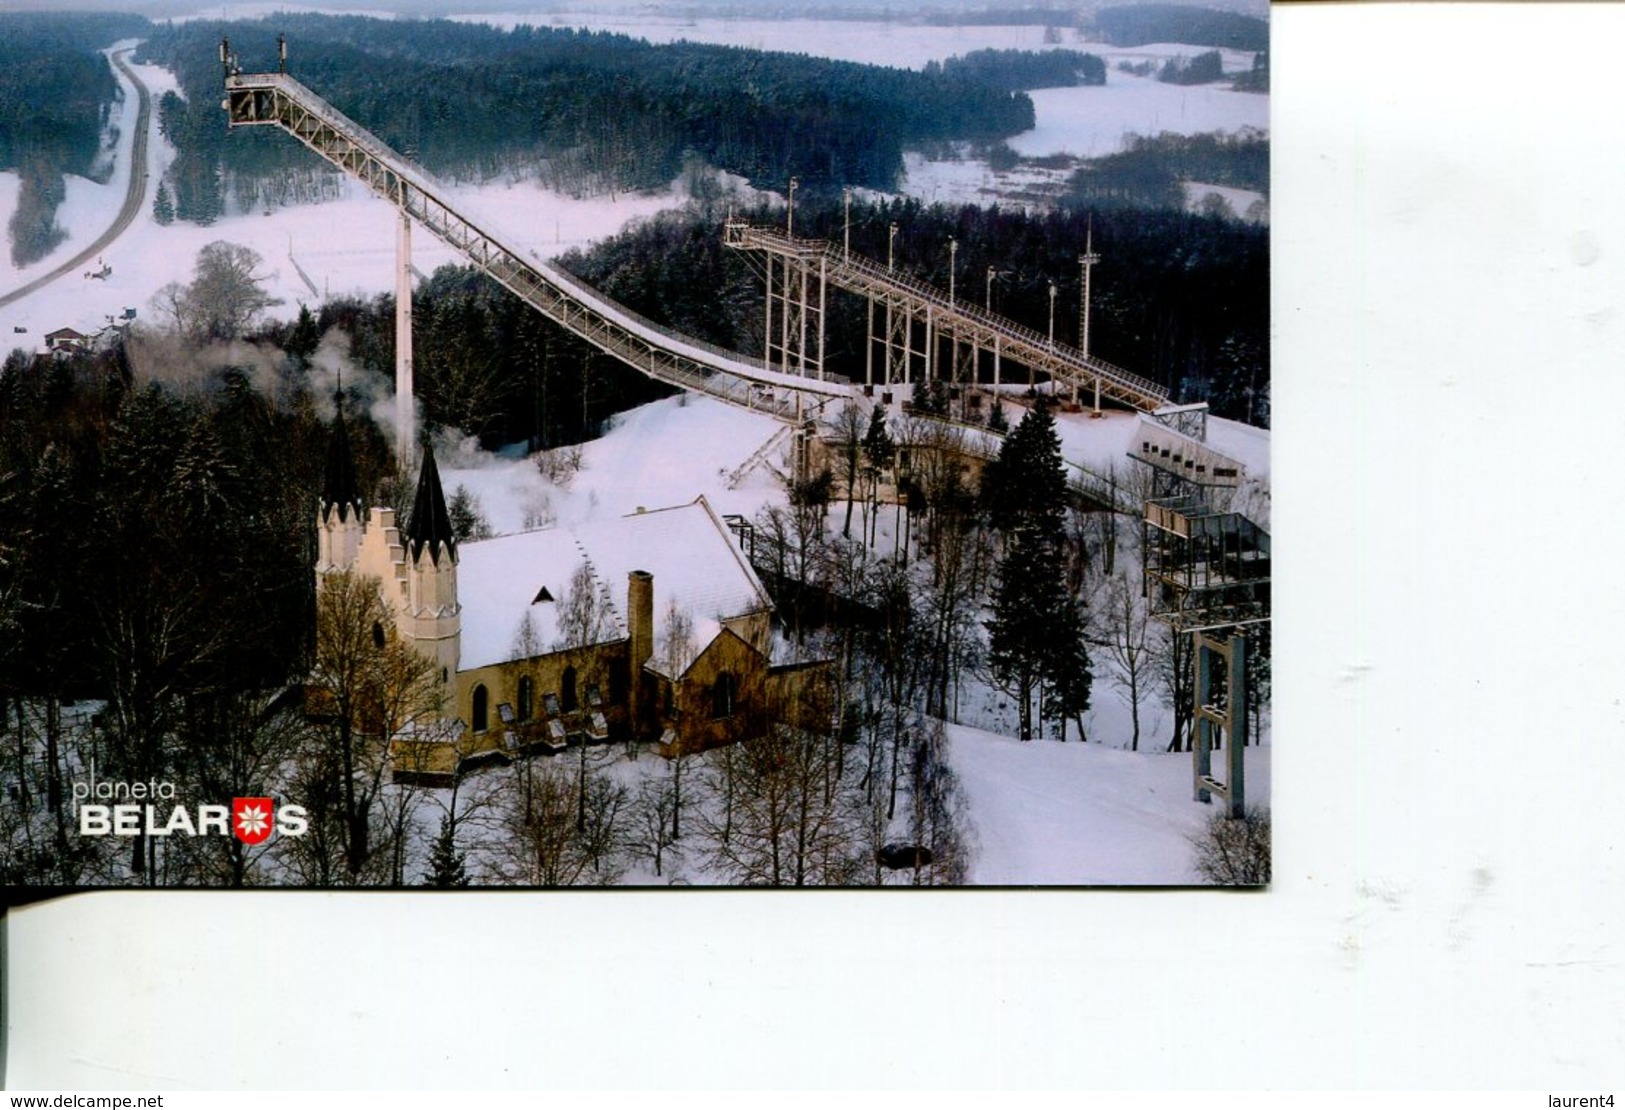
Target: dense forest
[(582, 110), (1180, 298), (1140, 24), (1150, 173), (485, 362), (1024, 69), (56, 94)]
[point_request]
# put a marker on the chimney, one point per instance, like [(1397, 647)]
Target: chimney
[(640, 629)]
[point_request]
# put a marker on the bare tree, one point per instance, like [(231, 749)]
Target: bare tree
[(541, 843), (1234, 851), (1172, 669), (234, 744), (654, 820), (790, 825), (226, 294), (371, 686), (677, 652), (939, 815), (849, 426), (584, 612), (1123, 626)]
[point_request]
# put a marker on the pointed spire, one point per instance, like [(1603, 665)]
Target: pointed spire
[(430, 524), (339, 486)]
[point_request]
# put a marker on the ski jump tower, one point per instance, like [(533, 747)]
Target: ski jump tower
[(277, 100)]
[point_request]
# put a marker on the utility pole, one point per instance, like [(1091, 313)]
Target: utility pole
[(991, 274), (953, 254), (790, 217)]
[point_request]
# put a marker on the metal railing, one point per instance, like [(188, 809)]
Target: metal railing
[(858, 274), (276, 99)]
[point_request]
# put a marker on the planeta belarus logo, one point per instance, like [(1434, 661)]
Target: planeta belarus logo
[(251, 819)]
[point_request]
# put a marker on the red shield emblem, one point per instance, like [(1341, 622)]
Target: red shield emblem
[(252, 818)]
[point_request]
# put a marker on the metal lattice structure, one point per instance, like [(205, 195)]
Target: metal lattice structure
[(910, 303), (1204, 567), (1207, 576), (277, 100)]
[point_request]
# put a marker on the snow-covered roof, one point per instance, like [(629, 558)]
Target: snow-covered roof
[(687, 549)]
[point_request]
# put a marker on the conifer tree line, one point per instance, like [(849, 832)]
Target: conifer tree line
[(582, 111), (1180, 298), (1138, 24), (57, 93)]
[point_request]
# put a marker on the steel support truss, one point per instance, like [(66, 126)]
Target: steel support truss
[(957, 321), (275, 99)]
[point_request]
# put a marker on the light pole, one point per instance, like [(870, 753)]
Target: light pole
[(790, 217), (891, 244), (953, 254), (991, 274), (1087, 261), (1052, 314), (846, 227)]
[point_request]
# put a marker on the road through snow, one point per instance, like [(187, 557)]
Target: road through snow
[(134, 197)]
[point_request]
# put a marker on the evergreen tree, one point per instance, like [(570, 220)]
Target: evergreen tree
[(468, 521), (997, 421), (446, 861), (1067, 675), (1035, 634), (163, 209), (305, 337), (877, 441)]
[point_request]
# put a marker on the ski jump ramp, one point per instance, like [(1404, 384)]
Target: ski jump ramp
[(277, 100)]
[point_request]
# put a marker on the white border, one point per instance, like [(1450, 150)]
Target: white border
[(1449, 242)]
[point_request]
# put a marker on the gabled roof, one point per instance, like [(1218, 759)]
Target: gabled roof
[(689, 551), (430, 523)]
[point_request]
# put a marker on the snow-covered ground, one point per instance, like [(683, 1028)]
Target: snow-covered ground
[(1083, 814), (903, 43), (662, 454), (1044, 812), (1089, 121), (1082, 122)]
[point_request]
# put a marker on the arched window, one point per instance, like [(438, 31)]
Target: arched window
[(526, 698), (724, 692), (567, 689), (481, 709)]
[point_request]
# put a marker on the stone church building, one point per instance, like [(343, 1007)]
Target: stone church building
[(650, 627)]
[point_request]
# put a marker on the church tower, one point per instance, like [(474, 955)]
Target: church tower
[(431, 616), (339, 518)]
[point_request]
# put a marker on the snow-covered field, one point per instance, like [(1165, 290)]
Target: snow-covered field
[(1083, 122), (1044, 812)]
